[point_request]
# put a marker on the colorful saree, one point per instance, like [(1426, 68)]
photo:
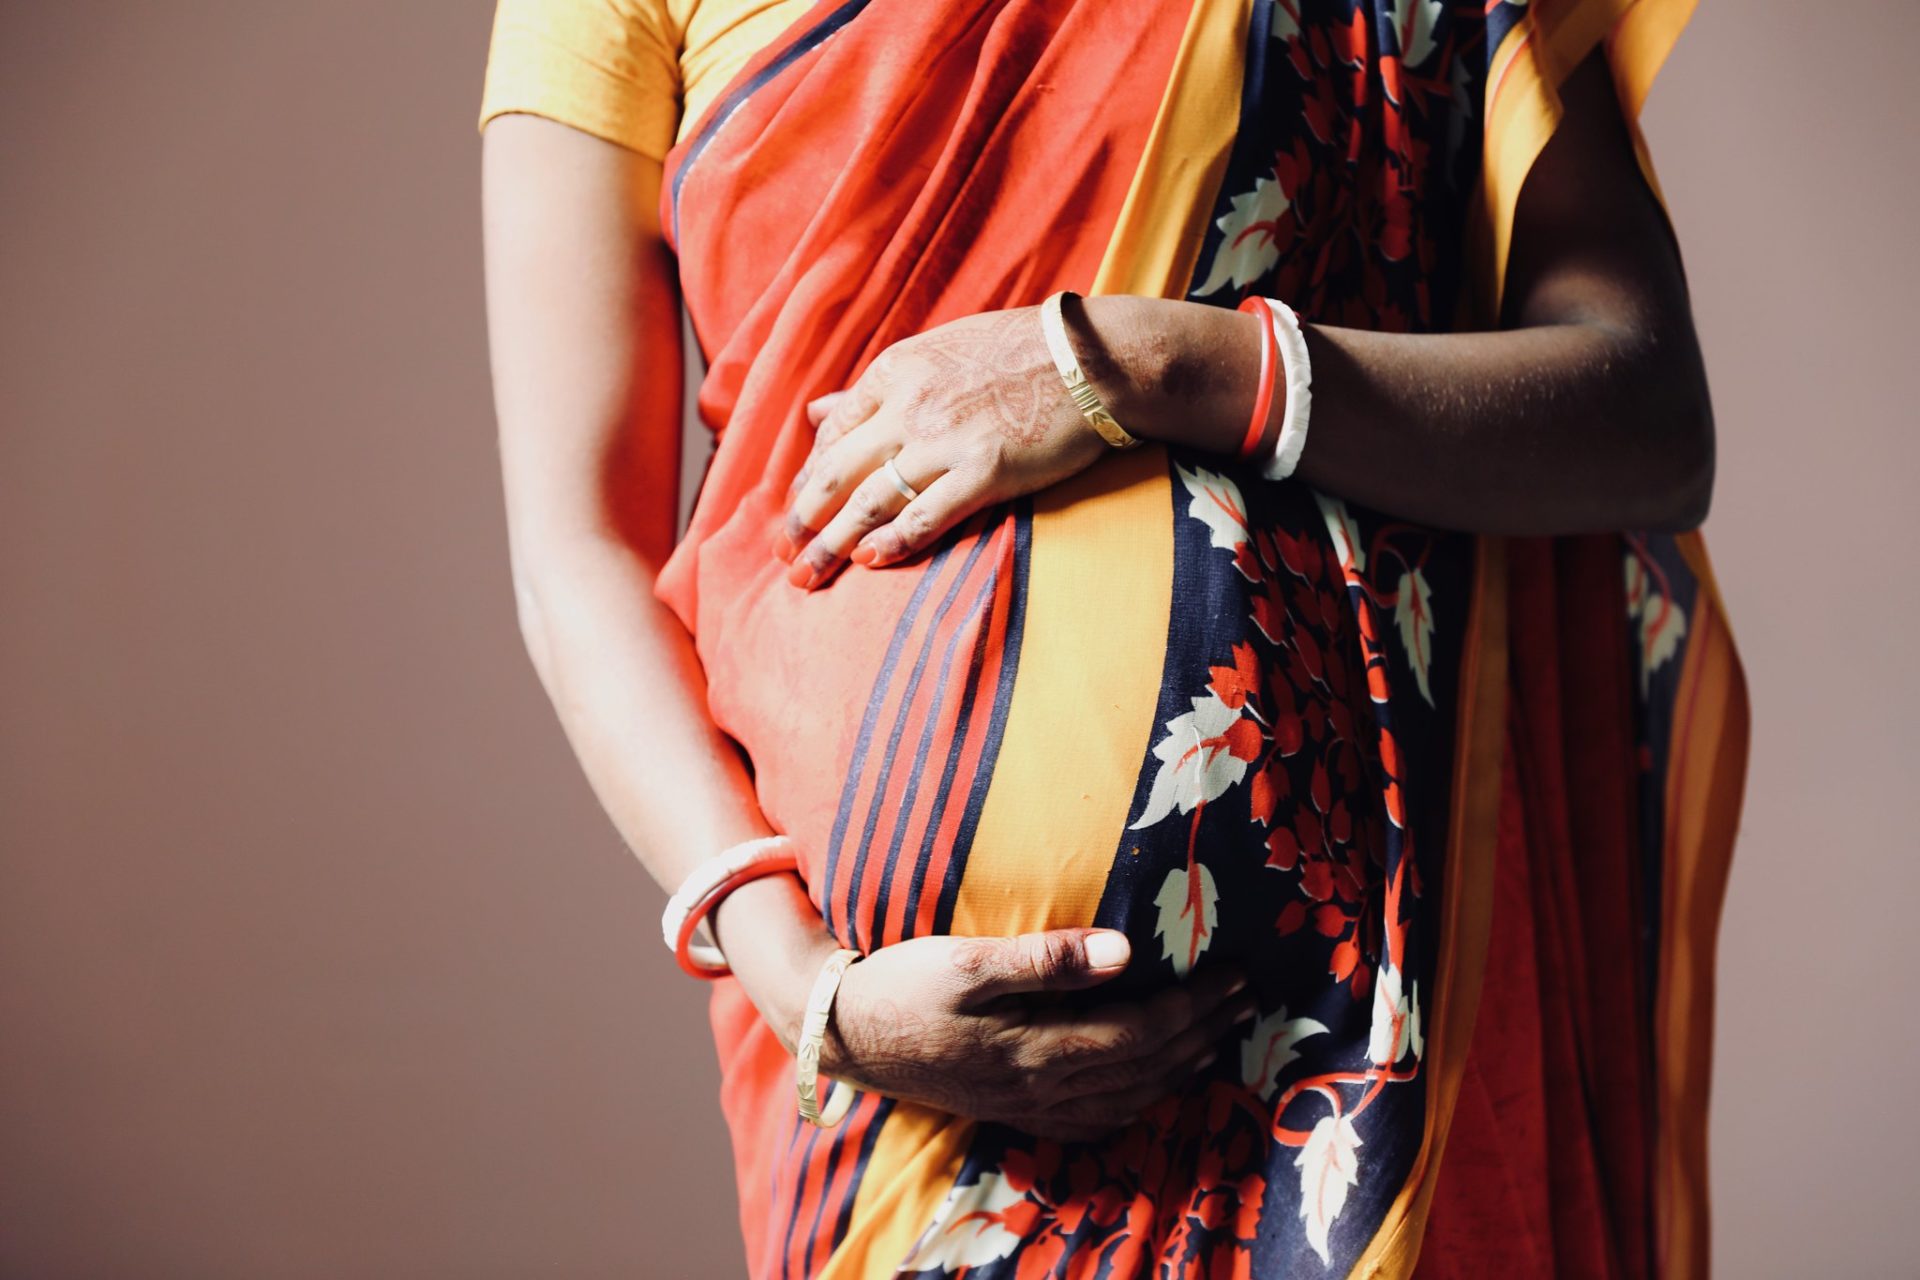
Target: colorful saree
[(1398, 773)]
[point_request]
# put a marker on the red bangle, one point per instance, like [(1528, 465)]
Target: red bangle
[(706, 885), (1269, 364)]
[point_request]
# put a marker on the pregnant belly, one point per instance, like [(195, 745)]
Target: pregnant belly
[(1141, 700)]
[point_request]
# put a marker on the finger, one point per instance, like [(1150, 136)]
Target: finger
[(1049, 960), (848, 409), (833, 474), (1201, 1040), (873, 502), (1124, 1106), (943, 503), (820, 406), (1124, 1031)]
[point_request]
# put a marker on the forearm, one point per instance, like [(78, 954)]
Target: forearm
[(1546, 429), (630, 694), (584, 322)]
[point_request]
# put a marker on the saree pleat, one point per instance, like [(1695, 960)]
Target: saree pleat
[(1463, 805)]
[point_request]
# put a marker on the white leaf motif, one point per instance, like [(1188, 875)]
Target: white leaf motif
[(1218, 505), (1413, 22), (1328, 1164), (966, 1230), (1248, 245), (1396, 1020), (1662, 622), (1269, 1049), (1188, 904), (1286, 20), (1413, 614), (1197, 763), (1344, 531)]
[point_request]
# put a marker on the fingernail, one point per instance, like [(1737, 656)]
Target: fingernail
[(1246, 1014), (862, 554), (1107, 949), (783, 547), (801, 575), (1205, 1062), (1238, 985)]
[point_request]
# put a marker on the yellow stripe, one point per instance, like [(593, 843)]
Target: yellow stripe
[(1083, 699), (914, 1161), (1705, 780), (1088, 684), (1164, 218)]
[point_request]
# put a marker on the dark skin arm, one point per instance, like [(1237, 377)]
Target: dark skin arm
[(1588, 411)]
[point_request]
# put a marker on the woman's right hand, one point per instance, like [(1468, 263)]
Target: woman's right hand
[(970, 1025), (966, 1025), (977, 1026)]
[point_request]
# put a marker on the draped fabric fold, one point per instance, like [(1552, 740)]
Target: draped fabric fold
[(1237, 719)]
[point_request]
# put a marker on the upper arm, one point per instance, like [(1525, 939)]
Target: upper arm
[(584, 329), (1590, 241)]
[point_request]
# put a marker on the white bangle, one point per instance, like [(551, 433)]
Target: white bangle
[(1297, 371), (702, 890), (813, 1031)]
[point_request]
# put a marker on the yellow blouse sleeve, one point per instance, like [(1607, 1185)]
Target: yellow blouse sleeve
[(608, 67)]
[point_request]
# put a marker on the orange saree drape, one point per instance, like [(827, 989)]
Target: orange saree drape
[(1235, 718)]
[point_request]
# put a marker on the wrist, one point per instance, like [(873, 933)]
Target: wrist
[(1181, 373), (775, 942)]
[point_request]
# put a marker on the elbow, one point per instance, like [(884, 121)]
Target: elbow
[(1677, 484), (1686, 464), (535, 633), (1668, 451)]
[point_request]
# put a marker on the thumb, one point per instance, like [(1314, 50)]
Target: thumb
[(1050, 960)]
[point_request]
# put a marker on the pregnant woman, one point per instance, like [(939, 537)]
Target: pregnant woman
[(1190, 621)]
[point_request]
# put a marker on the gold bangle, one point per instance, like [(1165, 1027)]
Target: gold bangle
[(1084, 397), (813, 1030)]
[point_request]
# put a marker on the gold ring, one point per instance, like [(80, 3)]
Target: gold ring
[(907, 491)]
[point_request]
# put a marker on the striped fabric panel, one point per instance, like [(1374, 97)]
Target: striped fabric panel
[(927, 740)]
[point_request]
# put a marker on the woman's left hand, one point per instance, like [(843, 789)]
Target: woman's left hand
[(970, 414)]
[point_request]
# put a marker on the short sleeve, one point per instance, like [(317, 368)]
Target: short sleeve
[(607, 67)]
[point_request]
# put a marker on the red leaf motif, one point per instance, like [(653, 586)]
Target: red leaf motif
[(1346, 958), (1307, 827), (1283, 851), (1331, 921), (1267, 787), (1293, 917), (1232, 684), (1309, 651), (1317, 883), (1246, 563), (1242, 740), (1300, 555), (1266, 617), (1287, 735), (1320, 791), (1039, 1258)]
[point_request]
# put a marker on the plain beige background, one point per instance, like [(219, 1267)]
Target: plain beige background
[(316, 957)]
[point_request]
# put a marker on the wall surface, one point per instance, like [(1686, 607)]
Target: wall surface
[(316, 956)]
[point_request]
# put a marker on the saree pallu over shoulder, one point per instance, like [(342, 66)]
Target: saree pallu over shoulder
[(1234, 718)]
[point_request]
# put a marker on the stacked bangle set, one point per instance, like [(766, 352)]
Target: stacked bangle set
[(695, 900), (1284, 362)]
